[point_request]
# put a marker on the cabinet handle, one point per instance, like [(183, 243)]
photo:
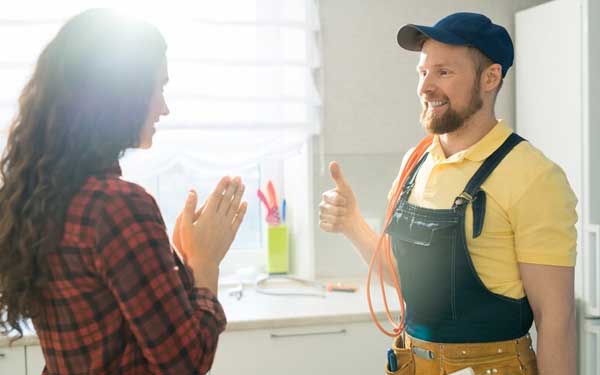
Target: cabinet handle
[(284, 335), (2, 355)]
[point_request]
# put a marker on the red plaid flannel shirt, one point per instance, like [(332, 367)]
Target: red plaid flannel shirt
[(119, 301)]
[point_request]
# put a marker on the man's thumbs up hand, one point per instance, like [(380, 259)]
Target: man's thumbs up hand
[(338, 209), (336, 174)]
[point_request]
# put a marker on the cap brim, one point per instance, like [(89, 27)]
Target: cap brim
[(411, 36)]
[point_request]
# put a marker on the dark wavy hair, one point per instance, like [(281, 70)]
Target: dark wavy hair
[(85, 104)]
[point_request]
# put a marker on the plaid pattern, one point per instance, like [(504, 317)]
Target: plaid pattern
[(119, 301)]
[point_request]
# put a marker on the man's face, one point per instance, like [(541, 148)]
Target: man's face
[(448, 87)]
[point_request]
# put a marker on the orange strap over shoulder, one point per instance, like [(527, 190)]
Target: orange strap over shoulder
[(384, 243)]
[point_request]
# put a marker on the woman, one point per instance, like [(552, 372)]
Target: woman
[(83, 252)]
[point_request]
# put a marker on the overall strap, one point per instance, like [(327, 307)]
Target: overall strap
[(473, 193), (410, 180), (489, 165)]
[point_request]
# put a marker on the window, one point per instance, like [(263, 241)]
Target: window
[(242, 94)]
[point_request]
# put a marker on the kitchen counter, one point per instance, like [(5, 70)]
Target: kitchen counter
[(255, 310)]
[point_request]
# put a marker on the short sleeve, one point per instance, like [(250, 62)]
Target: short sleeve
[(544, 219)]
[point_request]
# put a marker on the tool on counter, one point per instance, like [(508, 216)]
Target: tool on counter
[(237, 292), (339, 287), (299, 287), (272, 196), (277, 236), (272, 217)]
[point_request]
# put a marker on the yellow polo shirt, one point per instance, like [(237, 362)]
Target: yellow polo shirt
[(530, 213)]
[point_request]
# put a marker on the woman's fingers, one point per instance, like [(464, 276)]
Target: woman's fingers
[(239, 217), (228, 196), (215, 199), (199, 211), (235, 202), (177, 233), (187, 220)]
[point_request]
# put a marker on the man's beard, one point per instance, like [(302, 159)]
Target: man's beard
[(451, 120)]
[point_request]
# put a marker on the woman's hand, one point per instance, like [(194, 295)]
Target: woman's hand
[(205, 235)]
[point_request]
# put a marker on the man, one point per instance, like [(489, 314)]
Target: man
[(483, 234)]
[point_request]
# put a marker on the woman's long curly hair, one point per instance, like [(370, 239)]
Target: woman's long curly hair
[(85, 104)]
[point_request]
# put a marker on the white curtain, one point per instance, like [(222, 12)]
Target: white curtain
[(242, 88), (242, 83)]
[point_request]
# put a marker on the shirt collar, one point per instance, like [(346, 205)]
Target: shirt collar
[(477, 152)]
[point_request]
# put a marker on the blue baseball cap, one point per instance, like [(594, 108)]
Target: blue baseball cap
[(463, 29)]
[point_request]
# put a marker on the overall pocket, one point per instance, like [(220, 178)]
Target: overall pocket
[(424, 249), (418, 230)]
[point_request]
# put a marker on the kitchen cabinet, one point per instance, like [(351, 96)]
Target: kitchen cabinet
[(12, 360), (35, 359), (352, 348), (21, 360)]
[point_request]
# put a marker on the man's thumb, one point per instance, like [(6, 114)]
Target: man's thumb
[(338, 178)]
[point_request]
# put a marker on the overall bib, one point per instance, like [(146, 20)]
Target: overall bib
[(447, 304)]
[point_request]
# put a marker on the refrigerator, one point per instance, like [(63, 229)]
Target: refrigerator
[(557, 108)]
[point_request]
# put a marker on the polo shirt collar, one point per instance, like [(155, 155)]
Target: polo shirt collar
[(477, 152)]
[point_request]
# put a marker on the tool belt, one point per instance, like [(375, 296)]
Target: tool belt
[(404, 358), (417, 357)]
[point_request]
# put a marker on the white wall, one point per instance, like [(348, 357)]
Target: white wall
[(370, 101)]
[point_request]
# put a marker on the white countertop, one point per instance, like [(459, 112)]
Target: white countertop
[(259, 311), (256, 311)]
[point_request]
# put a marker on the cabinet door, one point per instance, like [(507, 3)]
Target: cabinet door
[(35, 360), (591, 348), (12, 361), (357, 348)]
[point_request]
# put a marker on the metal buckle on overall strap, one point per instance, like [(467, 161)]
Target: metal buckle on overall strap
[(463, 198)]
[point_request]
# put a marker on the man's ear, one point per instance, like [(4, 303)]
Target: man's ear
[(492, 78)]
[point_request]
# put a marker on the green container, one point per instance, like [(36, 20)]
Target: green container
[(277, 249)]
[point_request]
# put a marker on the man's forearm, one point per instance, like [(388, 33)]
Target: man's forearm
[(557, 344), (364, 238)]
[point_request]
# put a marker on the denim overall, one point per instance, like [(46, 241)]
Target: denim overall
[(446, 301)]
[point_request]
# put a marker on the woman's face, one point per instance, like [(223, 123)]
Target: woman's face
[(158, 107)]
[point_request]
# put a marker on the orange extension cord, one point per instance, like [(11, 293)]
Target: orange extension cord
[(384, 243)]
